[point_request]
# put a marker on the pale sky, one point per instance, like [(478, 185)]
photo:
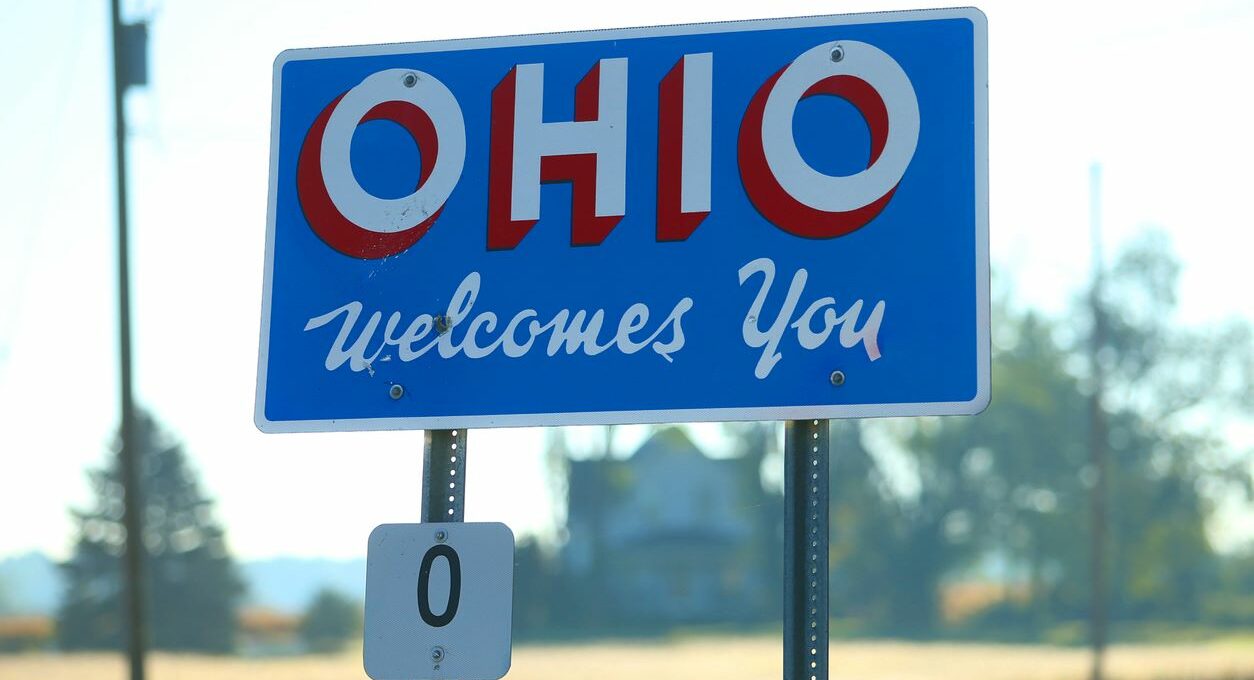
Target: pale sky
[(1159, 93)]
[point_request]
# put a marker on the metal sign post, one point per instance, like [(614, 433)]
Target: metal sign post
[(444, 476), (805, 549)]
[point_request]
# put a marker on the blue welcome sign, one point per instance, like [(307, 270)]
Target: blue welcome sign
[(771, 220)]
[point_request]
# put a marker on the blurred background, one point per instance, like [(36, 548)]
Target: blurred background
[(961, 547)]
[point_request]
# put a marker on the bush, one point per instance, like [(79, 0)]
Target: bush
[(331, 622)]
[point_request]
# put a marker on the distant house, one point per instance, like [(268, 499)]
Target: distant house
[(670, 535), (26, 633), (268, 632)]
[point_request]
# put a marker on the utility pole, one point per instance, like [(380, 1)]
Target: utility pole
[(129, 68), (1097, 440)]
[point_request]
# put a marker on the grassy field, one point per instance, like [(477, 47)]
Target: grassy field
[(729, 658)]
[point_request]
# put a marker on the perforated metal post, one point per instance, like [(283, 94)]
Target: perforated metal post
[(805, 549), (444, 476)]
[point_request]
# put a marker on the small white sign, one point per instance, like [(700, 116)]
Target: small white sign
[(439, 601)]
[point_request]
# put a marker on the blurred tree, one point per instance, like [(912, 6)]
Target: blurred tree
[(1011, 481), (192, 581), (757, 447), (899, 541), (331, 622), (1159, 368), (539, 595), (1169, 390), (864, 545), (1232, 602), (538, 592), (1019, 473)]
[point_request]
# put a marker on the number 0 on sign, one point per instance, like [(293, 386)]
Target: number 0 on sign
[(439, 601)]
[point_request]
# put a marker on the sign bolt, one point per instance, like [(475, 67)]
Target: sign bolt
[(396, 391), (409, 80), (838, 378), (440, 537), (838, 53), (437, 654), (443, 324)]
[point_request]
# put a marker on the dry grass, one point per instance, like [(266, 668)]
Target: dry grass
[(961, 601), (748, 658)]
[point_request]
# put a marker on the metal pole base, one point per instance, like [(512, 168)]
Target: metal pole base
[(805, 549)]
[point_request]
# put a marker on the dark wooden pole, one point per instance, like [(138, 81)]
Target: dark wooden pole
[(132, 509)]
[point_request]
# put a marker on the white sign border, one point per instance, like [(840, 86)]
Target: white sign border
[(805, 412)]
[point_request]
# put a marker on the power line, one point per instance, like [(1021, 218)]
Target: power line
[(1097, 441)]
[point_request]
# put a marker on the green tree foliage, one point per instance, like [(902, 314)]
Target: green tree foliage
[(192, 584), (939, 493), (890, 548), (540, 601), (1014, 482), (758, 447), (1232, 602), (1168, 390), (1011, 480), (331, 622)]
